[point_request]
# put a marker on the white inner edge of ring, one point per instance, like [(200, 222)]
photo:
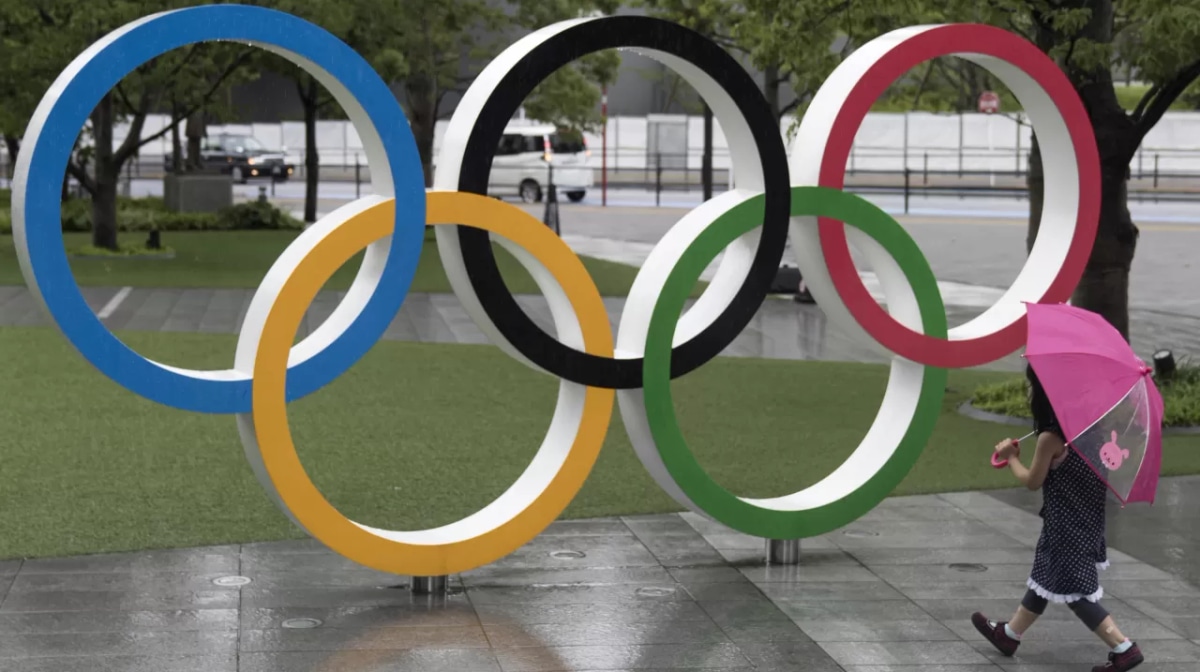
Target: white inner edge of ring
[(365, 282), (1060, 210), (734, 264), (546, 464)]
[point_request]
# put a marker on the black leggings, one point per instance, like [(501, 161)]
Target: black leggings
[(1091, 613)]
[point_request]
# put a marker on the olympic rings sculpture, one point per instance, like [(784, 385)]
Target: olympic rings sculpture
[(777, 197)]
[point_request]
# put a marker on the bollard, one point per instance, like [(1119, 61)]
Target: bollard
[(783, 551), (429, 585), (262, 194)]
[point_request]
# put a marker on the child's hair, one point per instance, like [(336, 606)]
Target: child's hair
[(1039, 404)]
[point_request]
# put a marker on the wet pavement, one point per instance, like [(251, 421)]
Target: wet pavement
[(891, 592), (781, 329)]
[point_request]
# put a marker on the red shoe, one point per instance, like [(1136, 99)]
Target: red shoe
[(1120, 662), (994, 632)]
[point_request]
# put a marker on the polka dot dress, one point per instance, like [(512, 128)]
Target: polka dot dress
[(1071, 549)]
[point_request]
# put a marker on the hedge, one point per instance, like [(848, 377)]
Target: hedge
[(146, 214)]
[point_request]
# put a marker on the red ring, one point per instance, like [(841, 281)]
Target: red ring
[(932, 43)]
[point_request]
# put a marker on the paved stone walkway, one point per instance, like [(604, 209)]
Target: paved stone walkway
[(781, 329), (889, 593)]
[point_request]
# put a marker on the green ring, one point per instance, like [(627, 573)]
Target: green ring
[(677, 457)]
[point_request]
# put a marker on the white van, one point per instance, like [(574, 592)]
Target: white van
[(527, 157)]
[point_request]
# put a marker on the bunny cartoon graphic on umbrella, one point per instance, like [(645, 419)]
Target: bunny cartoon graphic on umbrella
[(1113, 455)]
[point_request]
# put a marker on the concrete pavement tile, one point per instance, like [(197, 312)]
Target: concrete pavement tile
[(337, 639), (135, 643), (915, 575), (750, 633), (1187, 626), (221, 560), (863, 611), (802, 655), (736, 540), (578, 594), (1013, 590), (99, 600), (1133, 570), (542, 556), (726, 614), (694, 575), (64, 622), (333, 597), (724, 592), (829, 591), (844, 572), (844, 629), (604, 633), (411, 660), (453, 614), (665, 656), (586, 575), (171, 663), (903, 653), (158, 582), (645, 611), (1165, 607), (1149, 589), (353, 578), (872, 557)]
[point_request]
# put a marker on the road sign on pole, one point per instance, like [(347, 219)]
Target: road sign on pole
[(989, 102)]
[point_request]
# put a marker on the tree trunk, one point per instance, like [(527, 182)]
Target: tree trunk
[(771, 84), (196, 131), (1104, 287), (176, 151), (13, 145), (107, 174), (312, 159), (422, 115), (706, 160)]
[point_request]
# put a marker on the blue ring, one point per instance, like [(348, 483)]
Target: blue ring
[(151, 37)]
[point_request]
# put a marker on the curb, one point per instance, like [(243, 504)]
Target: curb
[(974, 413)]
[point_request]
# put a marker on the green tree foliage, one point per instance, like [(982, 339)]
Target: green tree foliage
[(44, 37), (441, 45), (1155, 41)]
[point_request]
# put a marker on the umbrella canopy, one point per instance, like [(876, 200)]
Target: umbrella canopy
[(1103, 395)]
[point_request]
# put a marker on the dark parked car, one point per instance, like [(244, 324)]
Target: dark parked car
[(243, 157)]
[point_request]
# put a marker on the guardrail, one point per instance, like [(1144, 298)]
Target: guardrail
[(664, 173)]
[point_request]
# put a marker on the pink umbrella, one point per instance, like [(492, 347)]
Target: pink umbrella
[(1102, 394)]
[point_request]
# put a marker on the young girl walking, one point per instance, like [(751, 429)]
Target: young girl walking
[(1071, 550)]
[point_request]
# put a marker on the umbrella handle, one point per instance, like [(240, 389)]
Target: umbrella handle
[(1000, 463)]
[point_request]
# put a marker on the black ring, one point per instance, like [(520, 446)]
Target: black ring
[(568, 45)]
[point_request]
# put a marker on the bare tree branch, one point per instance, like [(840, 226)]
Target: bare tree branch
[(133, 142), (1167, 94), (76, 171)]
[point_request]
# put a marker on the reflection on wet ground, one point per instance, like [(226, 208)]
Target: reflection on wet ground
[(890, 592)]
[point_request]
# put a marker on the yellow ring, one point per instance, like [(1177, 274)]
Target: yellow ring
[(380, 549)]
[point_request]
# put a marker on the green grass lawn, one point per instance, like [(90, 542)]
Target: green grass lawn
[(415, 435), (241, 258)]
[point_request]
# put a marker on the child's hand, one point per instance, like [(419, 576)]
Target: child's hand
[(1008, 448)]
